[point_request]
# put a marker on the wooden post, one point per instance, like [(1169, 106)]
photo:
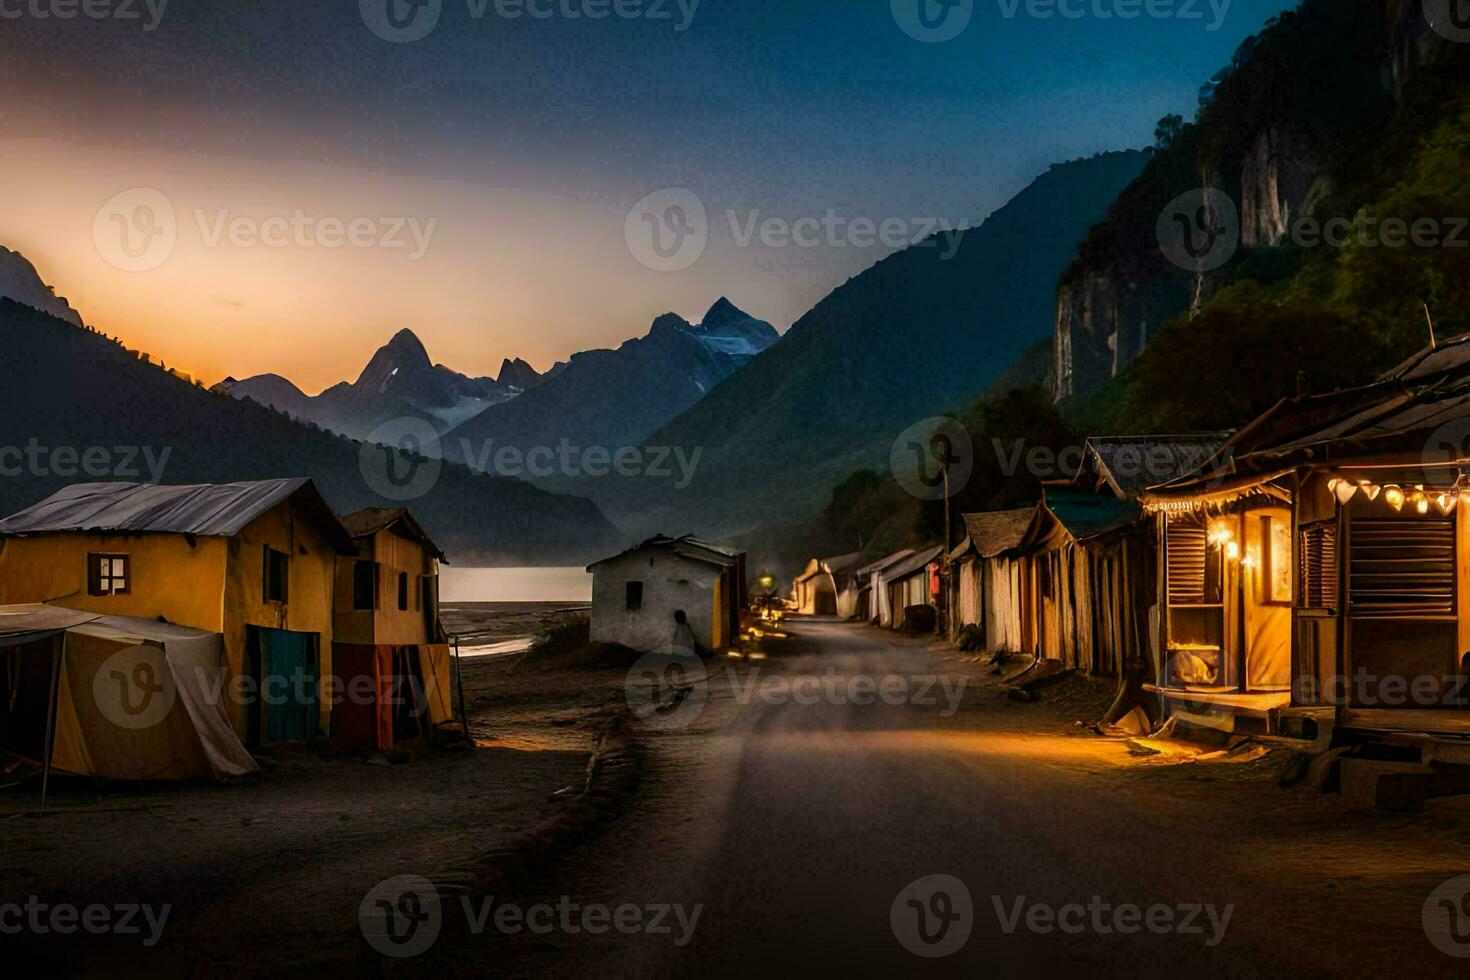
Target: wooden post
[(464, 718), (51, 717)]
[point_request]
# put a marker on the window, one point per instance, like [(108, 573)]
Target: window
[(365, 585), (403, 591), (1402, 569), (1193, 565), (1319, 565), (108, 575), (275, 574), (633, 595)]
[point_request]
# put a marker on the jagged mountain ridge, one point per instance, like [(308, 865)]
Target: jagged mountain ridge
[(399, 380), (613, 398), (67, 387)]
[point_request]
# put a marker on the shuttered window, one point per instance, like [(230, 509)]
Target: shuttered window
[(1319, 565), (1193, 567), (1402, 569)]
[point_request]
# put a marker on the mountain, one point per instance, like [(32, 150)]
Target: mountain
[(20, 281), (519, 376), (94, 412), (399, 381), (924, 331), (613, 398)]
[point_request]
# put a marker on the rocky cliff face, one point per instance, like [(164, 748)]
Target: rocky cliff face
[(1268, 139)]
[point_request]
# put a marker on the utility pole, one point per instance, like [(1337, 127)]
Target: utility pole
[(944, 570)]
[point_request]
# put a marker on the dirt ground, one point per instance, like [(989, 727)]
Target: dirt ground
[(265, 876)]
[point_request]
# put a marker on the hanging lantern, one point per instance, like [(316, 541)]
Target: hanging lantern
[(1445, 502), (1394, 497), (1370, 490), (1344, 491), (1232, 550), (1421, 503)]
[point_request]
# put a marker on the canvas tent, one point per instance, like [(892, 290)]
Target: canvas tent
[(908, 583), (115, 697), (988, 575), (827, 586), (878, 610)]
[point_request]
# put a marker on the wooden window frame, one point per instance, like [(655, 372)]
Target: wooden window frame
[(1319, 565), (373, 585), (1381, 570), (1206, 551), (267, 557), (95, 578)]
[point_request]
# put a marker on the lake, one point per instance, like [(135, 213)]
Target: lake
[(572, 585)]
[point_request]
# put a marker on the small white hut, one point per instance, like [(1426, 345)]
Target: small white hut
[(638, 596)]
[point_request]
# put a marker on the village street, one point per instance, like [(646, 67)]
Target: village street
[(795, 826)]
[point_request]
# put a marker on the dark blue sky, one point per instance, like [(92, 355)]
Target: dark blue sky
[(786, 108)]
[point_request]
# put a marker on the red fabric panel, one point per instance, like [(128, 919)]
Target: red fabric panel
[(364, 722)]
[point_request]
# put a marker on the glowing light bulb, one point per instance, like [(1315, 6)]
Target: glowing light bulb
[(1394, 497), (1421, 504), (1232, 550)]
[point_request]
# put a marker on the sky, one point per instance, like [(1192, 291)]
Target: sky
[(252, 186)]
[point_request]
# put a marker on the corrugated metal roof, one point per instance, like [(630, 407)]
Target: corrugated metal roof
[(207, 510), (1132, 464), (998, 531)]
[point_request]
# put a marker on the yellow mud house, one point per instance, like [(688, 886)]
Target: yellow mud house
[(386, 628), (254, 562)]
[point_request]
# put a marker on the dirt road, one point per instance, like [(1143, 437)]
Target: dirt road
[(792, 818)]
